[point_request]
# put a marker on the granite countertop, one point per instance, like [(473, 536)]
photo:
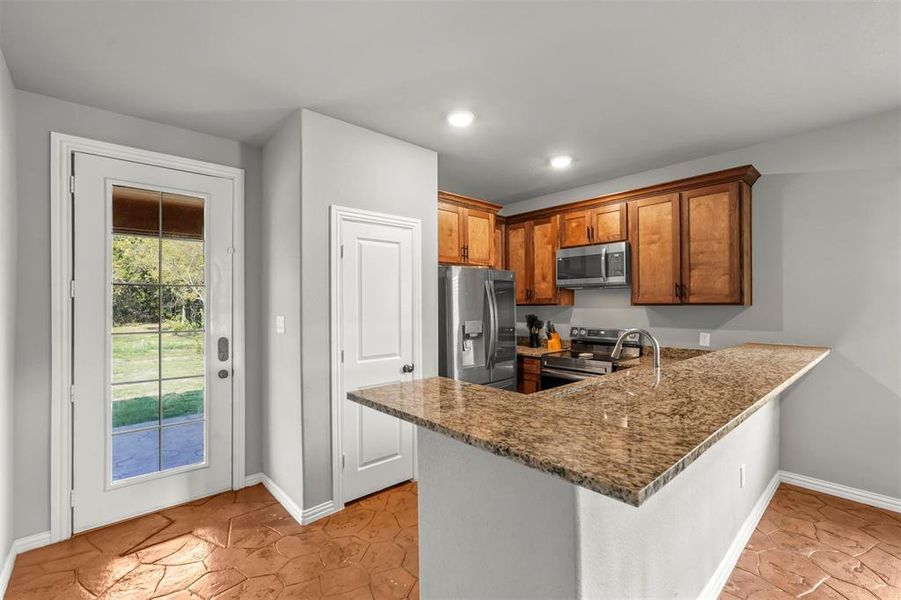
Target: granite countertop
[(533, 352), (621, 435)]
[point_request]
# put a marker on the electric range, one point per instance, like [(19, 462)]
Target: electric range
[(588, 357)]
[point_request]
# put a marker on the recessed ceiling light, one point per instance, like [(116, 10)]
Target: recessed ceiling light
[(561, 162), (460, 118)]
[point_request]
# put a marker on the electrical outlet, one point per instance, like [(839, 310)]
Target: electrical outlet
[(741, 476), (704, 339), (280, 324)]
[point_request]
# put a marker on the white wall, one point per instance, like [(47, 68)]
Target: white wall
[(8, 236), (826, 270), (37, 117), (282, 458), (350, 166)]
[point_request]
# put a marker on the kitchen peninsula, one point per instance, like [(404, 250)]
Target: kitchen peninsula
[(632, 485)]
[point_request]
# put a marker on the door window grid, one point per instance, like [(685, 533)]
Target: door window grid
[(165, 429)]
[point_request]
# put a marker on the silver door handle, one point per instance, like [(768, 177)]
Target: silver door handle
[(407, 368), (491, 348), (604, 263)]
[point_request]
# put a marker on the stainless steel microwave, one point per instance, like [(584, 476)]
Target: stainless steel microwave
[(603, 265)]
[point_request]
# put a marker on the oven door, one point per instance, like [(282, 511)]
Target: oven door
[(551, 378)]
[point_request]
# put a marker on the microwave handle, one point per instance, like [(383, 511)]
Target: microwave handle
[(604, 263)]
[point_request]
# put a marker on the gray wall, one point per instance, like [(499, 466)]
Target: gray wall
[(282, 460), (8, 237), (38, 116), (826, 270), (349, 166)]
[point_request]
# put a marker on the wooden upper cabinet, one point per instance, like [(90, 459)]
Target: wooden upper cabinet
[(712, 236), (608, 223), (500, 244), (655, 239), (693, 247), (465, 230), (543, 256), (532, 256), (517, 259), (575, 228), (450, 233), (479, 237), (597, 225)]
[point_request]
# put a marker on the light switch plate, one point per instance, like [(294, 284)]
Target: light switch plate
[(704, 339), (280, 324)]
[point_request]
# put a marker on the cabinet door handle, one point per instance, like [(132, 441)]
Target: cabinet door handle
[(676, 291), (588, 233), (591, 235)]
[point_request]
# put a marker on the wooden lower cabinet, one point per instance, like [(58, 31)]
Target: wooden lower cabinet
[(528, 375), (532, 256)]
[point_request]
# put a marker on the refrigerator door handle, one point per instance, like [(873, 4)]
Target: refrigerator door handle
[(491, 346)]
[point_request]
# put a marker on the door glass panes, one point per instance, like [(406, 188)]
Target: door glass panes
[(158, 332)]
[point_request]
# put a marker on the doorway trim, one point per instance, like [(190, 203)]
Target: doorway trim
[(62, 147), (339, 215)]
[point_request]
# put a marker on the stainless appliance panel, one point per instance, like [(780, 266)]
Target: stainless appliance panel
[(503, 296), (465, 325), (603, 265)]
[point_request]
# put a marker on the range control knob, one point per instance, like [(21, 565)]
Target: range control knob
[(583, 332), (573, 332)]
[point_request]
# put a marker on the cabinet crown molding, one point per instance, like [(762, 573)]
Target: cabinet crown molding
[(467, 201), (744, 173)]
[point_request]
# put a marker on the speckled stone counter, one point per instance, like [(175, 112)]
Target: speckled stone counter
[(624, 435), (533, 352)]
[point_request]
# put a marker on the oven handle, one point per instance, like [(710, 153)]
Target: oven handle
[(571, 375)]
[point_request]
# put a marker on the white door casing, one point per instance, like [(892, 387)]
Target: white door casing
[(98, 497), (378, 287)]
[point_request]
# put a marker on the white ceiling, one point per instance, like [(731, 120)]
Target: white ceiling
[(621, 86)]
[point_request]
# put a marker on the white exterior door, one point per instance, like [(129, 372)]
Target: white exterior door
[(379, 282), (152, 328)]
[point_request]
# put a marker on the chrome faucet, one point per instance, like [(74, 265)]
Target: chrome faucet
[(655, 345)]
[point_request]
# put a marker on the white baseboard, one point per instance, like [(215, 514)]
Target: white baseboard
[(727, 564), (253, 479), (314, 513), (842, 491), (304, 517), (31, 542), (7, 569), (18, 547)]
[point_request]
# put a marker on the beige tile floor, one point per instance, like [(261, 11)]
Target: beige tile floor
[(236, 545), (819, 547)]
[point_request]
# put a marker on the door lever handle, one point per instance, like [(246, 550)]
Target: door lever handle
[(407, 368)]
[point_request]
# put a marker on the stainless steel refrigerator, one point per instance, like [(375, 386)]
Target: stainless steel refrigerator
[(477, 325)]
